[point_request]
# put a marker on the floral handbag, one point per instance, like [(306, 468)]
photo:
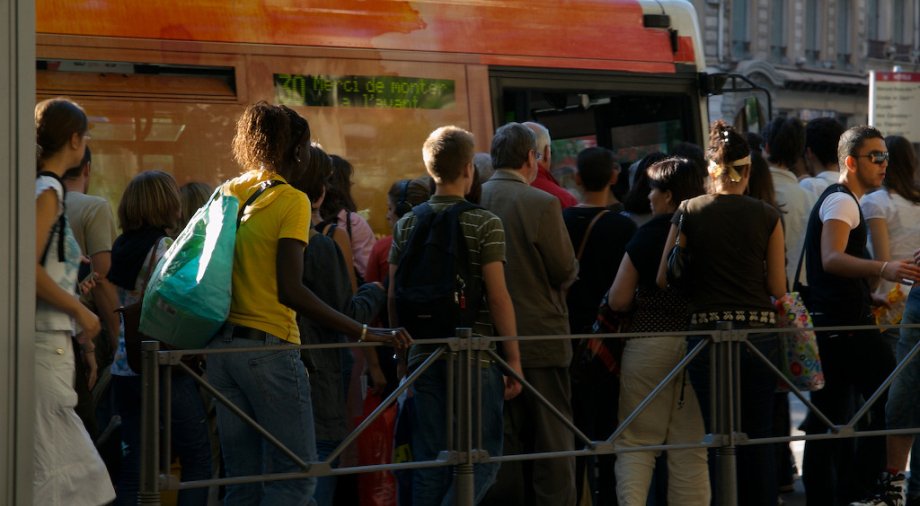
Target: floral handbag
[(799, 358)]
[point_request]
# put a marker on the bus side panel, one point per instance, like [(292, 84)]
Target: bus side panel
[(480, 105), (590, 31)]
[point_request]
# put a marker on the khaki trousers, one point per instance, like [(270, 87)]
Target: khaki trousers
[(673, 417)]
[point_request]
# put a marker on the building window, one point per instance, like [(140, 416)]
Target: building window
[(897, 19), (843, 33), (872, 17), (778, 30), (812, 31), (741, 44)]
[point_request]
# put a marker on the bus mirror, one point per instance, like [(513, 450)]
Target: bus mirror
[(711, 84)]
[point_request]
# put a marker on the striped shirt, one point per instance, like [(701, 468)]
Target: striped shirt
[(485, 242)]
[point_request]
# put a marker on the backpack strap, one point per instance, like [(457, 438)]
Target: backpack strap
[(425, 217), (264, 185), (584, 239), (328, 229), (348, 223)]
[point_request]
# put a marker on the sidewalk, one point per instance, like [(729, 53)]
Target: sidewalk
[(797, 412)]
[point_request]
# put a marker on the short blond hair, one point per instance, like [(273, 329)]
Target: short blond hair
[(446, 152)]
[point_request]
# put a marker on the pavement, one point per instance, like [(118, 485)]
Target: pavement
[(797, 412)]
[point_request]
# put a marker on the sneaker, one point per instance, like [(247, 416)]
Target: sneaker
[(892, 491)]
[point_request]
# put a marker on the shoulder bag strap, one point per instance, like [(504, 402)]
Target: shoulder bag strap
[(796, 284), (680, 228), (348, 223), (59, 224), (262, 187), (584, 239), (151, 264)]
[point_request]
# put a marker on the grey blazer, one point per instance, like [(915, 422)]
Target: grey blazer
[(541, 263)]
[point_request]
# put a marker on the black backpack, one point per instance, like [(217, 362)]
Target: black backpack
[(435, 289)]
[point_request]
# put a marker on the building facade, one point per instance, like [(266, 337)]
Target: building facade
[(813, 56)]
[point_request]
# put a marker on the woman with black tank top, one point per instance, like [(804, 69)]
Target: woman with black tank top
[(737, 264)]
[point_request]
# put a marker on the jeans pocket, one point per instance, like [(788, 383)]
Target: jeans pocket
[(276, 375)]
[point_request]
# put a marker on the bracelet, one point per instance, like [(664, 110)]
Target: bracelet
[(882, 270), (85, 351), (363, 333)]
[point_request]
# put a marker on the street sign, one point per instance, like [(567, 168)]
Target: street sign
[(894, 103)]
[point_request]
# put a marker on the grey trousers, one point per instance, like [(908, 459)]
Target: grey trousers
[(529, 428)]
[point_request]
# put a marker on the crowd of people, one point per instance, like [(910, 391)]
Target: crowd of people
[(811, 205)]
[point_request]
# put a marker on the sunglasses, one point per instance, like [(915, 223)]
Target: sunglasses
[(876, 157)]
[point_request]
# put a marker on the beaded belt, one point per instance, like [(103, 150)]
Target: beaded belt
[(765, 317)]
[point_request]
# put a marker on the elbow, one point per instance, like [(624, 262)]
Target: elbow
[(286, 295), (620, 304), (778, 291)]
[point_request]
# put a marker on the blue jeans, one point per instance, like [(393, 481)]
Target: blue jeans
[(325, 486), (855, 363), (189, 436), (903, 408), (271, 387), (756, 471), (434, 486)]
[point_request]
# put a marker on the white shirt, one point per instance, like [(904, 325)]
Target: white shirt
[(63, 273), (840, 206), (795, 203), (902, 217), (816, 185)]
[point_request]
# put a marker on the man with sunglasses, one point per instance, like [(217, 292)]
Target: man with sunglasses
[(855, 363)]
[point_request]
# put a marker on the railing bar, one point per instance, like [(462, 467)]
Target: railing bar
[(170, 358), (166, 414)]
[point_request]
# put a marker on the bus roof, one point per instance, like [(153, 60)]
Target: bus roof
[(590, 34)]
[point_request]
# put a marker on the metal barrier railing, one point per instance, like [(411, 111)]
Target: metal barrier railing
[(464, 448)]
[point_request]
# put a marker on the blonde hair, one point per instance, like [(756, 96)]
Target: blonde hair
[(446, 152), (151, 199), (192, 196)]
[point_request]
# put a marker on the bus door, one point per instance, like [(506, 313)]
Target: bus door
[(633, 115)]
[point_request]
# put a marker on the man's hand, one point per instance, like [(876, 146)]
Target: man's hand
[(896, 270)]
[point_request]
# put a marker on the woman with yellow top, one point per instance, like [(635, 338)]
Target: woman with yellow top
[(271, 386)]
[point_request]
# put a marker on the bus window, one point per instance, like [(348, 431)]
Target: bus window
[(374, 113), (631, 116)]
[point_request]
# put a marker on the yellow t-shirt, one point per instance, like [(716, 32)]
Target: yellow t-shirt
[(281, 212)]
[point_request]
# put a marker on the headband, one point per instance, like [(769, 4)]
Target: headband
[(718, 169)]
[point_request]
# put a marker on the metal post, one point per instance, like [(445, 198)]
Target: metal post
[(463, 471), (149, 491), (724, 427)]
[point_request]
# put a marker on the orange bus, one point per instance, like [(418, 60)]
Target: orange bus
[(164, 81)]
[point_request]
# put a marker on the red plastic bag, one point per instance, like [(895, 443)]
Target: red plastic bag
[(375, 446)]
